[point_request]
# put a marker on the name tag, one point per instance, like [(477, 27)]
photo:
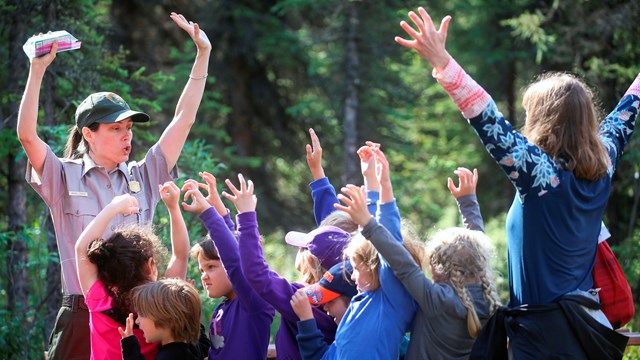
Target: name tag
[(78, 193)]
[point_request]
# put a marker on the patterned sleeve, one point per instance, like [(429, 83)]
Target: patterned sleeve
[(525, 164), (617, 127)]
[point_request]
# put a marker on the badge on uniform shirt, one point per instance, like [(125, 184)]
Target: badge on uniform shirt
[(134, 186)]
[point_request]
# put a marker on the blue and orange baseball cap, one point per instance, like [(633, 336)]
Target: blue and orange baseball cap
[(335, 282)]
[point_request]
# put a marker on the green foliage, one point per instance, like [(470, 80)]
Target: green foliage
[(528, 26), (22, 328)]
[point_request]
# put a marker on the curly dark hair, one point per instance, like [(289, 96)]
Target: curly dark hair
[(122, 263)]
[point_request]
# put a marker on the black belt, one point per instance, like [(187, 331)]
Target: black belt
[(74, 302)]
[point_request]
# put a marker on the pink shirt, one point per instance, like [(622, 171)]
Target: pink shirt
[(105, 337)]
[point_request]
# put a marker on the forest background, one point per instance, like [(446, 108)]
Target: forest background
[(279, 67)]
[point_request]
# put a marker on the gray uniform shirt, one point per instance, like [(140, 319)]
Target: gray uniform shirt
[(76, 190), (440, 326)]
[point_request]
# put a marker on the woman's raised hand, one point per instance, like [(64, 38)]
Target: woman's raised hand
[(427, 41), (197, 35)]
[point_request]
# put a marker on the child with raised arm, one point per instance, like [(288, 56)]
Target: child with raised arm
[(273, 288), (561, 167), (324, 194), (366, 329), (460, 296), (168, 313), (333, 292), (109, 268), (241, 323), (379, 316), (465, 195)]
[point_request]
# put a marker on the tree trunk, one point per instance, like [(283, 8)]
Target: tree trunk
[(16, 249), (351, 103), (53, 292)]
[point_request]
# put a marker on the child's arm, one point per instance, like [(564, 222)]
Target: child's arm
[(213, 198), (273, 288), (129, 343), (367, 157), (322, 192), (368, 169), (175, 135), (405, 269), (223, 238), (88, 271), (177, 267), (310, 340), (301, 306), (465, 194), (388, 213), (314, 156), (354, 199)]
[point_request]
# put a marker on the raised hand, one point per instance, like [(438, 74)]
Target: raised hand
[(314, 156), (368, 167), (124, 204), (383, 173), (170, 194), (213, 198), (128, 331), (301, 306), (197, 35), (382, 168), (467, 182), (243, 199), (427, 41), (45, 60), (192, 192), (355, 204)]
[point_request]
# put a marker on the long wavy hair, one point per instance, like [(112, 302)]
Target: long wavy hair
[(122, 263), (563, 121), (362, 250), (309, 267), (462, 257)]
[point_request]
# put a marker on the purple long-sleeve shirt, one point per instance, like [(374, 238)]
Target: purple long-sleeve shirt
[(239, 328), (275, 289)]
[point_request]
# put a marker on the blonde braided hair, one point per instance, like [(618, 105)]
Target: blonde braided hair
[(461, 257)]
